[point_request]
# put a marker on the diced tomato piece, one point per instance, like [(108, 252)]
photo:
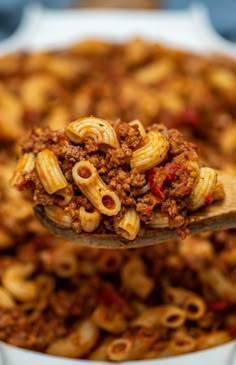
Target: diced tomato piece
[(171, 168), (156, 190), (209, 199), (185, 191)]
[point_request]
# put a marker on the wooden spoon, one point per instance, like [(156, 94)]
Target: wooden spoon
[(219, 215)]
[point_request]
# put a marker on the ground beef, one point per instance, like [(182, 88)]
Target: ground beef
[(121, 183), (120, 156), (90, 145), (177, 143), (128, 135), (137, 179), (41, 139)]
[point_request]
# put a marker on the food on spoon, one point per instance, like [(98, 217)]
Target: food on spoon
[(97, 176)]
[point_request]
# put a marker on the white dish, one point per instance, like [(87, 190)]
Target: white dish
[(221, 355), (189, 29)]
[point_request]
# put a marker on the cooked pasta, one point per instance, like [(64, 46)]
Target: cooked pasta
[(129, 224), (49, 172), (222, 285), (182, 344), (131, 346), (167, 316), (97, 129), (193, 305), (90, 183), (135, 278), (79, 288), (89, 221), (6, 240), (204, 187), (78, 343), (159, 221), (152, 153), (65, 195), (25, 166), (15, 280), (58, 215), (140, 127)]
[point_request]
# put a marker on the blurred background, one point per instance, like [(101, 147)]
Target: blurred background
[(222, 12)]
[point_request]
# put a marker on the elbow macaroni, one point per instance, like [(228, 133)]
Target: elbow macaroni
[(98, 129), (49, 172), (204, 186), (135, 279), (128, 226), (6, 299), (193, 304), (25, 165), (89, 221), (152, 153), (58, 215), (90, 183), (15, 280), (140, 127), (78, 343), (168, 316), (159, 221)]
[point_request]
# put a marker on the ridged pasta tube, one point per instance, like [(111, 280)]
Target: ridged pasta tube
[(140, 127), (181, 344), (78, 343), (49, 171), (93, 187), (152, 153), (159, 221), (15, 280), (192, 303), (58, 215), (6, 299), (132, 346), (89, 221), (168, 316), (25, 165), (134, 277), (98, 129), (65, 195), (129, 224), (204, 186)]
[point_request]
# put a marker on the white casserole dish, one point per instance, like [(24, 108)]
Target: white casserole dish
[(220, 355), (189, 30)]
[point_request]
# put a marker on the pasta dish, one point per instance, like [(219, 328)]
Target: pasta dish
[(98, 304)]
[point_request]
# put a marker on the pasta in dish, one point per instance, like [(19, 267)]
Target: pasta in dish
[(62, 299)]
